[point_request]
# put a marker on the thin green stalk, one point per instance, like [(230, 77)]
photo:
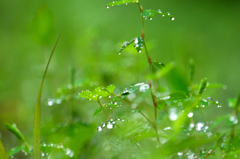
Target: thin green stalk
[(232, 135), (3, 153), (37, 115), (150, 68), (72, 94)]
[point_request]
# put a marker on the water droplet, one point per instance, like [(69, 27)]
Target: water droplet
[(168, 13), (173, 114), (167, 128), (190, 115), (219, 106), (107, 7), (113, 2), (139, 51), (172, 18), (126, 4), (150, 18), (58, 101), (119, 53), (123, 120), (50, 102), (109, 125), (103, 125), (159, 11), (144, 88), (179, 153), (89, 99), (191, 125), (199, 126), (163, 15), (109, 96), (99, 128), (110, 107)]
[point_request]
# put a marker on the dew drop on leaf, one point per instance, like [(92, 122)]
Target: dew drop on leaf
[(99, 128), (107, 7), (119, 53), (150, 18), (172, 18)]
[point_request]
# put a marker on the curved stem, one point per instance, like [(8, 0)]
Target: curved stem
[(150, 68)]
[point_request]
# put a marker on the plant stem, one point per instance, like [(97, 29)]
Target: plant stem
[(150, 68), (235, 113), (72, 94)]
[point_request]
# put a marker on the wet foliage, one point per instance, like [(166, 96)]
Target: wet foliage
[(147, 119)]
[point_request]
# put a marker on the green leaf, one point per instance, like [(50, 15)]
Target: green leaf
[(110, 88), (98, 111), (142, 87), (150, 13), (114, 3), (215, 85), (161, 104), (162, 72), (88, 95), (202, 86), (15, 150), (3, 153), (176, 96), (13, 128), (98, 93), (159, 65), (37, 115), (138, 44)]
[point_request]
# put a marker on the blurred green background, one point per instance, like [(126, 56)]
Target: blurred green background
[(91, 35)]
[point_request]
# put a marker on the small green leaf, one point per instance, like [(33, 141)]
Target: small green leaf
[(162, 72), (100, 92), (110, 88), (114, 3), (97, 111), (215, 85), (159, 65), (88, 95), (138, 44), (202, 86), (3, 153), (176, 96), (15, 150), (150, 13), (161, 104), (13, 128)]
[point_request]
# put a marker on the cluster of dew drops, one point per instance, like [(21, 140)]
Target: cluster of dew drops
[(109, 124), (150, 18)]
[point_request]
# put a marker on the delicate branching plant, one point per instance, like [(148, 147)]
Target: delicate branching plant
[(171, 128)]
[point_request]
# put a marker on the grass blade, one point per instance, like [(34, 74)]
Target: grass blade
[(37, 115), (3, 153)]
